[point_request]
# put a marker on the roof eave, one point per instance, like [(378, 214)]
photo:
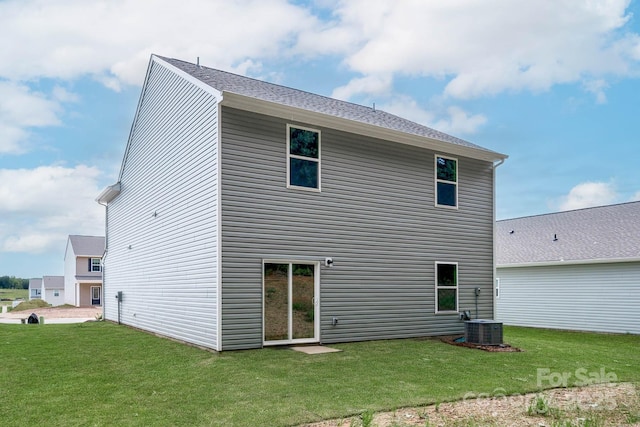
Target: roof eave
[(246, 103), (108, 194), (569, 262)]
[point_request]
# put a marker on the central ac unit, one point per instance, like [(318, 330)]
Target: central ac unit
[(483, 332)]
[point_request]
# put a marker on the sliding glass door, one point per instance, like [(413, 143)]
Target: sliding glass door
[(290, 302)]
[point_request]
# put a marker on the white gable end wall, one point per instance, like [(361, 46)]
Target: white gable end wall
[(588, 297), (162, 228), (70, 275)]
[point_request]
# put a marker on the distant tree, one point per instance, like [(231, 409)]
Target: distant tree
[(12, 282)]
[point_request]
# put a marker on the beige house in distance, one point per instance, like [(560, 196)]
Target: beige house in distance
[(83, 271), (53, 290)]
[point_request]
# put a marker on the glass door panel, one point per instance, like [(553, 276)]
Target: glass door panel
[(95, 295), (302, 301), (290, 292), (276, 302)]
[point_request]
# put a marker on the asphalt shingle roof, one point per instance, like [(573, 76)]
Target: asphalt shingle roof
[(228, 82), (53, 282), (601, 233), (87, 245), (35, 283)]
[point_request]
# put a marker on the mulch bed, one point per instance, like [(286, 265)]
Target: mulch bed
[(452, 339)]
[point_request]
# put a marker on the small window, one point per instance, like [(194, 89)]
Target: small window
[(446, 182), (56, 293), (95, 264), (446, 287), (303, 158)]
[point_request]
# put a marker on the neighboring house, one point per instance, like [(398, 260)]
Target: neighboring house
[(35, 289), (571, 270), (83, 270), (249, 214), (53, 289)]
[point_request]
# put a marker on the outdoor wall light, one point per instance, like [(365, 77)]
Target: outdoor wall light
[(328, 262)]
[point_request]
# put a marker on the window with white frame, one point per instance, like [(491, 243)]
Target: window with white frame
[(303, 158), (446, 287), (56, 293), (446, 181), (95, 264)]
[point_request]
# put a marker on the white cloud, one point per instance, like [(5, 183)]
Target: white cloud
[(21, 109), (484, 47), (452, 120), (112, 41), (63, 95), (371, 85), (589, 194), (460, 122), (635, 197), (597, 87), (42, 206)]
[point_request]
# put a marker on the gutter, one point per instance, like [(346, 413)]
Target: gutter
[(104, 198), (494, 166), (570, 262)]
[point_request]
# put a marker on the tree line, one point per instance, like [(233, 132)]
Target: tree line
[(12, 282)]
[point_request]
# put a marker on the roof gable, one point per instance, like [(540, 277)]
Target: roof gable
[(87, 245), (240, 91), (53, 282), (35, 283), (601, 234)]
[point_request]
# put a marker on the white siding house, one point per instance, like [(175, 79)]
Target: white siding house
[(83, 270), (249, 214), (35, 288), (53, 290), (576, 270)]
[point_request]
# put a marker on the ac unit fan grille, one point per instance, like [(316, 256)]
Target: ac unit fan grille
[(483, 332)]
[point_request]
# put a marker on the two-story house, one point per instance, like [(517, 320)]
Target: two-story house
[(35, 288), (83, 270), (249, 214)]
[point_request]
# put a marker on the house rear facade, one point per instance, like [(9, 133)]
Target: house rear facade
[(53, 290), (249, 214), (35, 288), (83, 270), (576, 270)]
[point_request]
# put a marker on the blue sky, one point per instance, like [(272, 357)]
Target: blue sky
[(554, 84)]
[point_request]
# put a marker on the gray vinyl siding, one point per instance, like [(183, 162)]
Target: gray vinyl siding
[(162, 228), (589, 297), (376, 218)]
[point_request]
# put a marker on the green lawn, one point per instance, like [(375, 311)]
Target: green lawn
[(13, 294), (104, 374)]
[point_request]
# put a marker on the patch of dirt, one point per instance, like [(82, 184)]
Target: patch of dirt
[(599, 405), (494, 348), (56, 312)]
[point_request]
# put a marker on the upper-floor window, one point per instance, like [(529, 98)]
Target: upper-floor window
[(446, 287), (446, 182), (303, 158), (94, 264)]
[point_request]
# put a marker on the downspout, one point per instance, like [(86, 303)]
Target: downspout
[(493, 285), (104, 256)]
